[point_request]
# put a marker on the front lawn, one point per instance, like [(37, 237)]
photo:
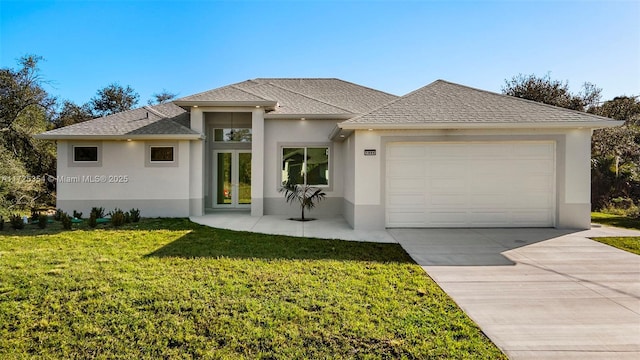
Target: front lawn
[(615, 220), (630, 244), (171, 288)]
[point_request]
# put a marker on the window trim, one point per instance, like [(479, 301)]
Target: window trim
[(154, 144), (72, 162), (329, 146)]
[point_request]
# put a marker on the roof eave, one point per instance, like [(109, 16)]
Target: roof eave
[(310, 116), (191, 103), (45, 136), (451, 125)]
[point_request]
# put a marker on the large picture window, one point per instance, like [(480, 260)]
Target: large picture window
[(305, 165)]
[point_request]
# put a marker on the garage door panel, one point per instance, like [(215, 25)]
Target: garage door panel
[(406, 168), (439, 200), (412, 185), (448, 184), (471, 184), (406, 200), (446, 218), (407, 218), (406, 151)]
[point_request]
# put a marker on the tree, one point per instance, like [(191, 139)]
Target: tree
[(615, 153), (306, 196), (25, 110), (162, 97), (70, 114), (552, 92), (21, 90), (113, 99)]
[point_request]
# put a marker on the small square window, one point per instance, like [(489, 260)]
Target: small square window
[(85, 154), (161, 154)]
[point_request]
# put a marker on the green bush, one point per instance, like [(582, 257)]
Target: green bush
[(117, 217), (77, 215), (16, 221), (1, 223), (98, 211), (93, 221), (42, 221), (135, 215), (35, 215), (622, 206), (66, 221), (58, 215)]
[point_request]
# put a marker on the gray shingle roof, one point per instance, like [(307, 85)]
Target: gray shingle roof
[(442, 102), (158, 120), (301, 96)]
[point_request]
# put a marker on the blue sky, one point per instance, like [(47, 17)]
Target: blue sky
[(395, 46)]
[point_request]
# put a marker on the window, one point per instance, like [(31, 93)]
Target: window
[(85, 154), (161, 154), (305, 165), (232, 135)]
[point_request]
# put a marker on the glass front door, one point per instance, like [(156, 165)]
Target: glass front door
[(232, 178)]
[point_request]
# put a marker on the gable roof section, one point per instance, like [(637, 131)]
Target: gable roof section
[(446, 105), (295, 96), (162, 121)]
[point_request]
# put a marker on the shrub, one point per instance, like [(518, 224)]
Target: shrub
[(16, 221), (93, 220), (66, 221), (77, 215), (135, 215), (35, 215), (58, 215), (621, 206), (98, 211), (42, 221), (1, 223), (117, 217)]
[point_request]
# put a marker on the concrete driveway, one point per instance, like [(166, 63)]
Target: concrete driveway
[(538, 293)]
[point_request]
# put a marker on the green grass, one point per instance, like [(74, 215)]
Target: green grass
[(630, 244), (615, 220), (173, 289)]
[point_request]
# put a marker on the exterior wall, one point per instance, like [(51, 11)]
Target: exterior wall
[(572, 170), (290, 132), (123, 180), (349, 180), (195, 175)]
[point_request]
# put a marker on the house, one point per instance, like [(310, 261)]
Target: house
[(445, 155)]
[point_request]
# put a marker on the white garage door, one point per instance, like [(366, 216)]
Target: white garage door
[(470, 184)]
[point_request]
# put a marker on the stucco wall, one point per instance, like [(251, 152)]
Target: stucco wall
[(295, 132), (124, 180)]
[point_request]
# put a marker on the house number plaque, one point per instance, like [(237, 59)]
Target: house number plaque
[(369, 152)]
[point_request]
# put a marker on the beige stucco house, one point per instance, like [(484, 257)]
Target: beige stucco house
[(445, 155)]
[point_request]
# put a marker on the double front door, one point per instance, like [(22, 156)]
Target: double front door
[(231, 178)]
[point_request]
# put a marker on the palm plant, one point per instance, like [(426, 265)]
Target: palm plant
[(305, 195)]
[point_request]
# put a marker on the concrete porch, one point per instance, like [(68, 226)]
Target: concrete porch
[(335, 227)]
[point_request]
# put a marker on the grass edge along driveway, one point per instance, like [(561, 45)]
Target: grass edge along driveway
[(629, 244), (171, 288)]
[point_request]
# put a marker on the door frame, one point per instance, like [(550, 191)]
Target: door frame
[(235, 161)]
